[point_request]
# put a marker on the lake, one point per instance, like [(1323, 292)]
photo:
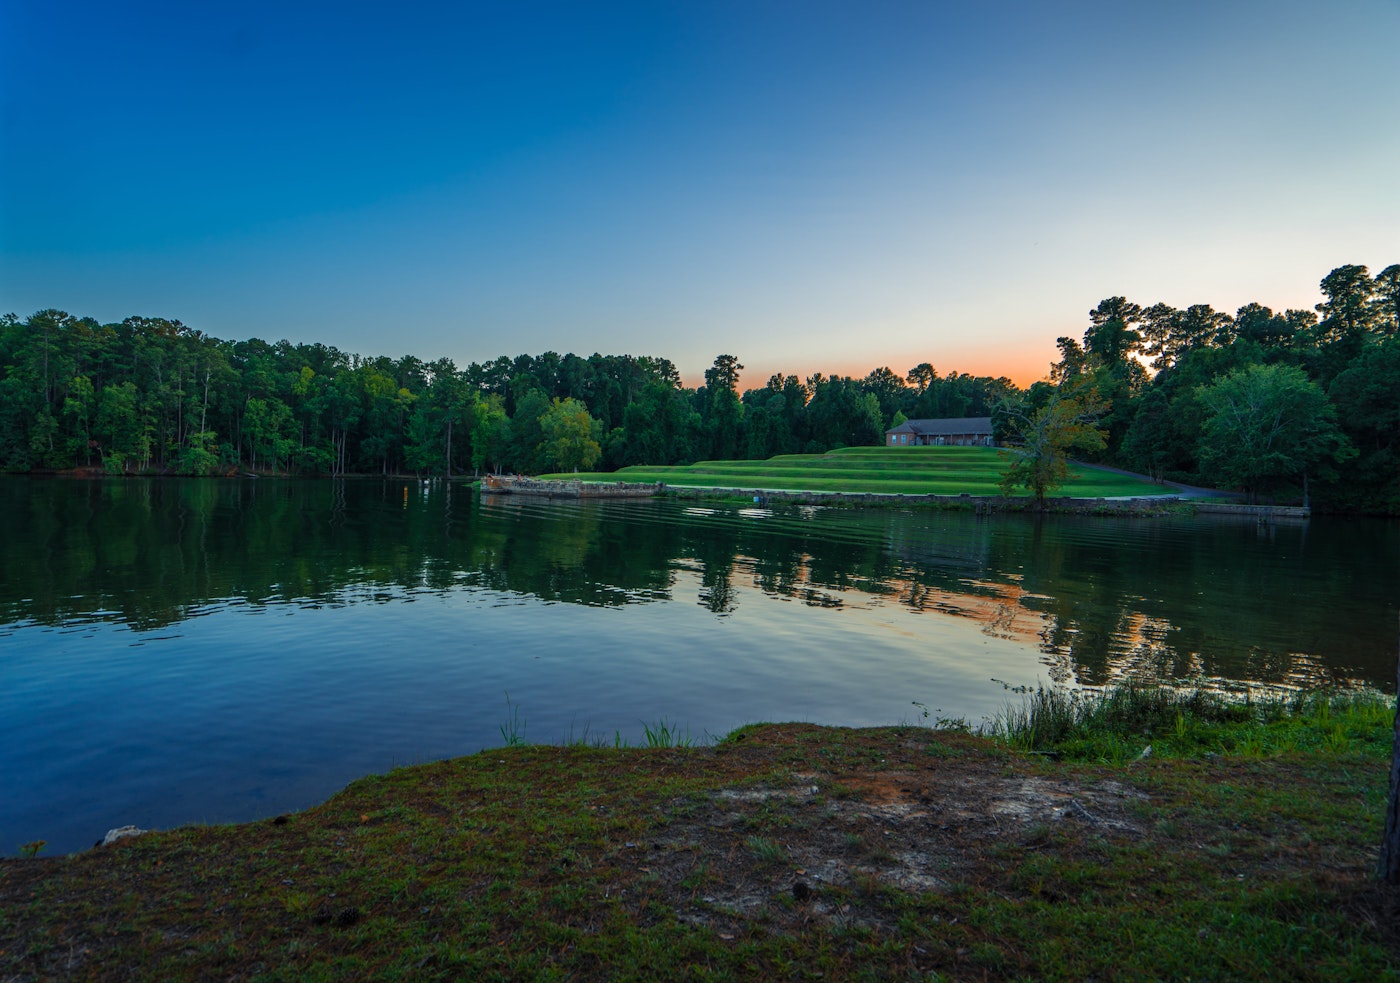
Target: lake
[(206, 650)]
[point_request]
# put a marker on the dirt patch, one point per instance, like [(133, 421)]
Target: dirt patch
[(826, 844)]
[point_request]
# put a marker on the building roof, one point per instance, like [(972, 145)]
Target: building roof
[(946, 428)]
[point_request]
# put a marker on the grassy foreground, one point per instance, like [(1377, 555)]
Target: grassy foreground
[(891, 471), (1241, 849)]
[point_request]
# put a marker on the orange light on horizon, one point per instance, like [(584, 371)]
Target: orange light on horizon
[(1023, 368)]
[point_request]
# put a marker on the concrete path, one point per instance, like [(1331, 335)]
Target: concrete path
[(1181, 490)]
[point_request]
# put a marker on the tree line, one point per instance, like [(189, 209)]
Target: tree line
[(1282, 406), (1279, 405), (152, 395)]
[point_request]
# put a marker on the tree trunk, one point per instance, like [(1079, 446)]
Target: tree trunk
[(1389, 867)]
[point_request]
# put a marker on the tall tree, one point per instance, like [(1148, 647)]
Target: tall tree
[(1159, 327), (1385, 302), (1072, 363), (724, 374), (724, 412), (921, 377), (1110, 338), (1346, 312)]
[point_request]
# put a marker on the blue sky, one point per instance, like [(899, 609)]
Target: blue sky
[(810, 186)]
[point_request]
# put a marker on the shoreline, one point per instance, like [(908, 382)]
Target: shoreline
[(1137, 506), (783, 847), (986, 504)]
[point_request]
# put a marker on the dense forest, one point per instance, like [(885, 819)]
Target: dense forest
[(1277, 404), (151, 395)]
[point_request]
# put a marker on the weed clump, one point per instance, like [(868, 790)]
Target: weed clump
[(1122, 722)]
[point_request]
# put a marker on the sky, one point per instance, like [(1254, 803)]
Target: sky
[(811, 186)]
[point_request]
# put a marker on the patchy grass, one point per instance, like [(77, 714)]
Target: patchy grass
[(894, 471), (782, 852)]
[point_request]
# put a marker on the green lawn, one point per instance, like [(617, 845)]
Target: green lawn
[(892, 470)]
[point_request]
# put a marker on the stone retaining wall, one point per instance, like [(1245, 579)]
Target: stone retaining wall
[(972, 503), (1258, 511), (983, 504)]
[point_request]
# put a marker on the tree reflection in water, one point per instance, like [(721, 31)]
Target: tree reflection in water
[(1102, 598)]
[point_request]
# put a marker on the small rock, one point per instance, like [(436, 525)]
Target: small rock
[(121, 833)]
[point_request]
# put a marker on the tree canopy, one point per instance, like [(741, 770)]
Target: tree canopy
[(1266, 424), (154, 395), (570, 442)]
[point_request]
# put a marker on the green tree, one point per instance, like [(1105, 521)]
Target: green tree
[(1158, 329), (1347, 311), (18, 404), (1110, 338), (840, 414), (267, 427), (43, 446), (386, 408), (1385, 302), (889, 388), (197, 456), (125, 433), (1267, 424), (458, 402), (1369, 413), (1068, 421), (490, 433), (441, 417), (79, 409), (526, 433), (1072, 363), (570, 436), (921, 377), (724, 413), (724, 374), (661, 425), (1258, 324)]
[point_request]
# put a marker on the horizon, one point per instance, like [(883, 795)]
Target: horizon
[(809, 187)]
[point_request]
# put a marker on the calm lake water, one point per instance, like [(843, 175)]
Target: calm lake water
[(179, 651)]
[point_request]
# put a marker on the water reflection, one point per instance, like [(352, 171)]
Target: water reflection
[(210, 650), (1101, 598)]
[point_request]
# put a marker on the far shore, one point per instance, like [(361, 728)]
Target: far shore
[(1139, 506)]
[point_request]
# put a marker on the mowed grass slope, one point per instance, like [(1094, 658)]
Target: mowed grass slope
[(884, 470)]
